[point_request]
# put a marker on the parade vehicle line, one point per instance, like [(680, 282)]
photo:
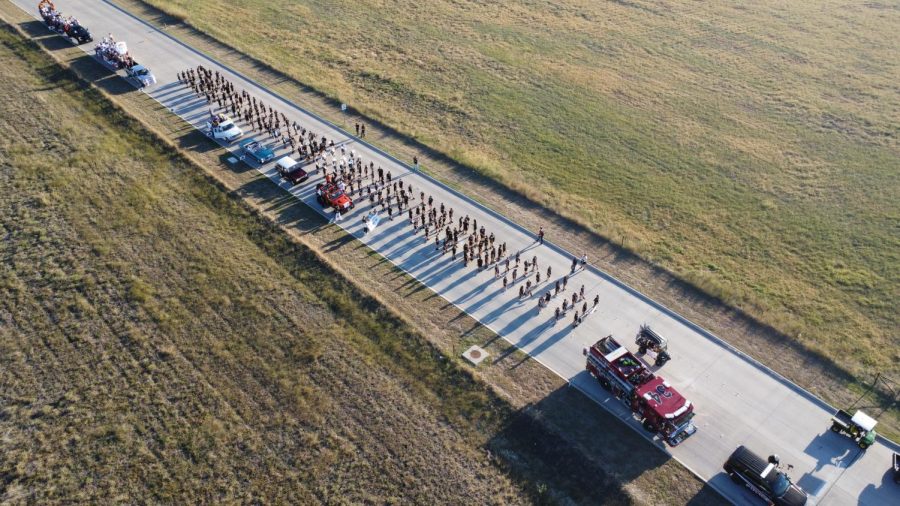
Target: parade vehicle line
[(737, 399), (649, 300)]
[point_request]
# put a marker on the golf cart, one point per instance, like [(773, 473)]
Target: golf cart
[(860, 427), (647, 339)]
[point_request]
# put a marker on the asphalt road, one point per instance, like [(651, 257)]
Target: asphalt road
[(737, 400)]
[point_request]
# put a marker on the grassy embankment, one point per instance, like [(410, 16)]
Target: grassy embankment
[(161, 342), (751, 150)]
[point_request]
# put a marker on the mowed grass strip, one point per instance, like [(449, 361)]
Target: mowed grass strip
[(160, 342), (751, 150)]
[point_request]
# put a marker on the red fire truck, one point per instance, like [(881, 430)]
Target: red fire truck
[(661, 409)]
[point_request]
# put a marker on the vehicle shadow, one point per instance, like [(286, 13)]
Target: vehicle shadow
[(573, 451), (883, 490), (710, 494), (822, 448)]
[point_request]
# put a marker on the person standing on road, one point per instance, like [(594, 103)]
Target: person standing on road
[(496, 272), (574, 265), (540, 236), (596, 300), (584, 261), (581, 292), (565, 282), (416, 162), (557, 314), (505, 282)]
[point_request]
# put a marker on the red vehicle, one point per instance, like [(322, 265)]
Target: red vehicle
[(330, 195), (287, 167), (660, 407)]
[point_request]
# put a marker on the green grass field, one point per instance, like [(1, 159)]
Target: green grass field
[(750, 149)]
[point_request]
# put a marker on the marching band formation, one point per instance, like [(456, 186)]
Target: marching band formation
[(459, 238)]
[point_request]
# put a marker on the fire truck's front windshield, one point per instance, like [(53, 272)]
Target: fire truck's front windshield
[(683, 419)]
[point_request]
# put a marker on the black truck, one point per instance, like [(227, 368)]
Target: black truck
[(763, 478)]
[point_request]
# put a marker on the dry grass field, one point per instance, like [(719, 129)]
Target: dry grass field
[(750, 149), (162, 342), (152, 349)]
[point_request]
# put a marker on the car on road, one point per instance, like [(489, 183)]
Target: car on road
[(141, 74), (763, 478), (257, 150), (221, 127), (69, 27), (291, 170), (79, 34), (330, 195)]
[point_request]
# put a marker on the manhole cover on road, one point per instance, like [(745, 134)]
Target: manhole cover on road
[(475, 355)]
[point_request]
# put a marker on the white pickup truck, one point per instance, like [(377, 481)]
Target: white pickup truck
[(221, 127)]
